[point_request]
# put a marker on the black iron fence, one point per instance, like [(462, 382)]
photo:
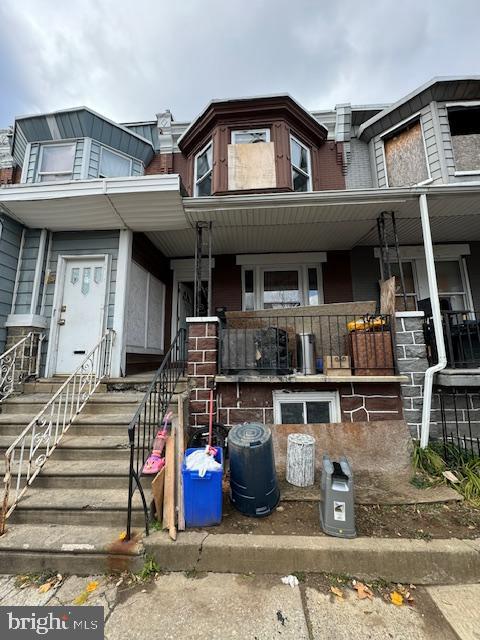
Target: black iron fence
[(459, 415), (461, 330), (148, 418), (283, 343)]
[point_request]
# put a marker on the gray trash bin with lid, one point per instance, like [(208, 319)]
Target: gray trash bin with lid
[(337, 517), (253, 480)]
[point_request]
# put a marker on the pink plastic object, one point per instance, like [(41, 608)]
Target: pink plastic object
[(154, 464)]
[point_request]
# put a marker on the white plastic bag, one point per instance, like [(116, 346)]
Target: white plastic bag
[(202, 462)]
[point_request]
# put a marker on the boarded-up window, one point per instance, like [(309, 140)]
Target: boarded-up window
[(465, 132), (405, 157)]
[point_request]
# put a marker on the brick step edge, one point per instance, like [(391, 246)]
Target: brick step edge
[(445, 561)]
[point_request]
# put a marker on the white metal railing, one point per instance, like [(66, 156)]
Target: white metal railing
[(20, 362), (28, 453)]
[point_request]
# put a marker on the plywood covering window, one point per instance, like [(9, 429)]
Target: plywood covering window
[(465, 133), (405, 156)]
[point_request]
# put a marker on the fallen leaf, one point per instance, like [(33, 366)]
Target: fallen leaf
[(362, 591), (45, 587), (338, 592), (122, 535), (82, 598), (396, 598), (91, 586), (451, 477)]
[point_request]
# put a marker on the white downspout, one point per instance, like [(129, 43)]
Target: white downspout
[(437, 322)]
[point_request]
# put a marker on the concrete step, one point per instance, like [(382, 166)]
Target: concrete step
[(67, 549), (96, 507), (99, 403), (51, 385), (77, 447)]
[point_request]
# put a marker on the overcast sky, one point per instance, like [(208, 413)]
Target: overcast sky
[(129, 60)]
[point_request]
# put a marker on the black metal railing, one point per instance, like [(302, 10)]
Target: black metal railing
[(459, 416), (148, 418), (269, 343), (461, 330)]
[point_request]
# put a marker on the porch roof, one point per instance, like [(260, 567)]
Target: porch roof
[(138, 203)]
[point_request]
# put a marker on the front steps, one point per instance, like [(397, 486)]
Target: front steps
[(83, 487)]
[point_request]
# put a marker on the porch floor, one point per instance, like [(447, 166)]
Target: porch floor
[(307, 379)]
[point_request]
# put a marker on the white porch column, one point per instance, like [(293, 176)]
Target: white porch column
[(121, 296)]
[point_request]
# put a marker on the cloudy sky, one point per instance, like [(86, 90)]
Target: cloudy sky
[(129, 60)]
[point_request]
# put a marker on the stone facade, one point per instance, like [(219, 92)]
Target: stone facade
[(201, 367), (412, 362)]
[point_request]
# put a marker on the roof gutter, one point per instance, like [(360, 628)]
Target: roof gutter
[(437, 322)]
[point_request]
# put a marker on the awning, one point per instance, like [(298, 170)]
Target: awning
[(138, 203)]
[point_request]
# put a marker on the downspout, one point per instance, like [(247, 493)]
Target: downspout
[(437, 322)]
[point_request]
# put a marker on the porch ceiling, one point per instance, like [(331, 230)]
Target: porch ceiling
[(141, 204)]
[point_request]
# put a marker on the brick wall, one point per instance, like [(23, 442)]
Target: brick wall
[(253, 402), (412, 363), (6, 175), (201, 367)]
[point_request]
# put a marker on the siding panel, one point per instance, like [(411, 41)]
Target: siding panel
[(10, 238)]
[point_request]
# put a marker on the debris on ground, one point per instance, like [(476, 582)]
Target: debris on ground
[(290, 580)]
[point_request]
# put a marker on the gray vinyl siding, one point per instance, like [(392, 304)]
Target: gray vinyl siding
[(137, 168), (77, 163), (84, 243), (10, 238), (27, 270), (433, 148), (32, 163), (94, 162), (365, 274), (20, 145), (359, 173)]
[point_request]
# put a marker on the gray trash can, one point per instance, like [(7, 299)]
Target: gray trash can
[(337, 517)]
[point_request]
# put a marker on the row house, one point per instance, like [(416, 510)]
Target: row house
[(266, 231)]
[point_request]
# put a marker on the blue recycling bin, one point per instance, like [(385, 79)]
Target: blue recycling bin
[(202, 497)]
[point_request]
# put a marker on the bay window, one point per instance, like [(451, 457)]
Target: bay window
[(56, 162), (301, 166), (250, 136), (203, 171)]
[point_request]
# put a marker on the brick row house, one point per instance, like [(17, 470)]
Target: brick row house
[(255, 227)]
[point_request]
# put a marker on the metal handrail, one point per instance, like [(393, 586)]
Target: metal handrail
[(149, 416), (20, 362), (47, 428)]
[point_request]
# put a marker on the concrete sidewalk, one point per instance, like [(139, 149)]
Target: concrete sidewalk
[(246, 607)]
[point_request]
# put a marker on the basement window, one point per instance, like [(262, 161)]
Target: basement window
[(465, 132), (301, 168), (203, 171), (405, 158), (306, 408), (56, 162)]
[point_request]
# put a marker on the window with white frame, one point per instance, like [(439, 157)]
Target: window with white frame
[(281, 286), (203, 171), (301, 166), (317, 407), (113, 165), (250, 136), (464, 121), (56, 162)]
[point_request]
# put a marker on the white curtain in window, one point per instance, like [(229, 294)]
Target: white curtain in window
[(112, 165), (57, 158)]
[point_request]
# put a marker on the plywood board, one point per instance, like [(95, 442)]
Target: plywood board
[(157, 493), (169, 490), (251, 166), (387, 296)]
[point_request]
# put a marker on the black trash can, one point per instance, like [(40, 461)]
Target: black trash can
[(253, 481)]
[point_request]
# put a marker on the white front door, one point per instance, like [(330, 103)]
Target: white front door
[(81, 311)]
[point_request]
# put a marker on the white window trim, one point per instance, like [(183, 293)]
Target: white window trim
[(282, 397), (117, 153), (40, 173), (265, 130), (309, 161), (399, 126), (258, 280), (310, 257), (195, 177)]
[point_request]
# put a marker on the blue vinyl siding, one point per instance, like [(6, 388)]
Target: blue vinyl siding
[(27, 270), (10, 238)]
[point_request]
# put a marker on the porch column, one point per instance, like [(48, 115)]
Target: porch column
[(124, 260), (202, 367)]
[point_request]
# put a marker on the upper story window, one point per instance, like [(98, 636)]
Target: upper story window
[(203, 171), (250, 136), (113, 165), (301, 166), (465, 133), (56, 162), (405, 158)]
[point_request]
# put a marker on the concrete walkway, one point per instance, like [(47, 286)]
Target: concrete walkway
[(230, 606)]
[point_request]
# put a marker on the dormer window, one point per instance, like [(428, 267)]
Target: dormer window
[(301, 166), (113, 165), (203, 171), (56, 162), (250, 136)]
